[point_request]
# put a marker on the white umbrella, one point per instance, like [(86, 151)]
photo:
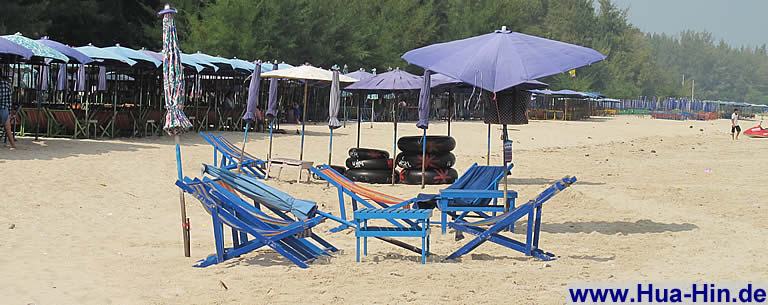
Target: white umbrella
[(305, 73)]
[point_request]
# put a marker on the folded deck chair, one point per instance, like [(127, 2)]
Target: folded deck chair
[(231, 156), (289, 238), (531, 209), (358, 194)]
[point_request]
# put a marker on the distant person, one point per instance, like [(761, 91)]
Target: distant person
[(735, 128), (259, 119), (6, 94), (297, 113)]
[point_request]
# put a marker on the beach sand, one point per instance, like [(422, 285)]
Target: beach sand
[(97, 222)]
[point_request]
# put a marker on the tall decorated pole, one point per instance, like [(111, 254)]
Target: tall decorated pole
[(176, 121)]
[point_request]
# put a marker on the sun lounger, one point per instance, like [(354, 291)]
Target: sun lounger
[(231, 155), (531, 209), (34, 122), (292, 239), (64, 122)]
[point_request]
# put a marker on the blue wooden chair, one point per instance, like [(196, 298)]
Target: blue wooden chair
[(252, 228), (231, 156), (531, 209)]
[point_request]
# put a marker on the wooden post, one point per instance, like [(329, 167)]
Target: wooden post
[(304, 118)]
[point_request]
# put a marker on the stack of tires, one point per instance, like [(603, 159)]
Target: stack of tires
[(439, 160), (370, 166)]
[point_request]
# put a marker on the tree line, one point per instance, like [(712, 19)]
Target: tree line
[(375, 33)]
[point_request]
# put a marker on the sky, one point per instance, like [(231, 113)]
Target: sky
[(738, 22)]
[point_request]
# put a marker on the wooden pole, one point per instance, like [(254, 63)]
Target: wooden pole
[(423, 158), (182, 203), (395, 106), (304, 119)]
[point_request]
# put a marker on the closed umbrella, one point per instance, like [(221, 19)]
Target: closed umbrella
[(175, 120), (102, 81), (271, 113), (250, 108), (80, 80), (44, 75), (333, 110), (61, 78), (423, 121)]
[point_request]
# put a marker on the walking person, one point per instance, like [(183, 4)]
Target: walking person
[(735, 128), (6, 93)]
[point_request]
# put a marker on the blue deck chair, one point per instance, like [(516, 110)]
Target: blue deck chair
[(474, 195), (231, 155), (531, 209), (289, 238), (358, 194)]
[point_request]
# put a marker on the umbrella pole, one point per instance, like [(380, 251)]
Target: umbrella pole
[(269, 152), (488, 152), (242, 151), (330, 147), (359, 121), (394, 140), (423, 157), (303, 119), (182, 203), (504, 159)]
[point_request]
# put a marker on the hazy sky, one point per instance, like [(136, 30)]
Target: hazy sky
[(738, 22)]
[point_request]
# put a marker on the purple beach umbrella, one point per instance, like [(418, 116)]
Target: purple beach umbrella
[(250, 108), (75, 56), (11, 49)]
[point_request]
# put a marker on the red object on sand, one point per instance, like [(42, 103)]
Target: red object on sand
[(756, 132)]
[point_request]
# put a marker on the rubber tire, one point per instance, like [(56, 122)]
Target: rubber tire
[(413, 176), (338, 168), (377, 176), (413, 161), (368, 153), (372, 164), (435, 144)]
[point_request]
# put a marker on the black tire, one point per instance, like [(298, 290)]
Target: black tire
[(368, 153), (413, 161), (432, 176), (338, 168), (435, 144), (376, 176), (372, 164)]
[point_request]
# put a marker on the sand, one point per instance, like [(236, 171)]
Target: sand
[(97, 222)]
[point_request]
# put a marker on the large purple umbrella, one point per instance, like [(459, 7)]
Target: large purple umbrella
[(423, 122), (250, 108), (176, 121), (11, 49), (74, 56), (502, 59)]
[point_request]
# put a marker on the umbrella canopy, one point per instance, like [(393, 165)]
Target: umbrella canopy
[(221, 63), (9, 48), (360, 75), (139, 57), (424, 94), (176, 121), (262, 193), (283, 66), (306, 72), (335, 102), (253, 93), (440, 80), (565, 93), (74, 56), (186, 61), (106, 56), (242, 65), (501, 59), (192, 59), (38, 49), (394, 80)]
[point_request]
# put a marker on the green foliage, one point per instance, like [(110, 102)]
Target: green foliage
[(375, 33)]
